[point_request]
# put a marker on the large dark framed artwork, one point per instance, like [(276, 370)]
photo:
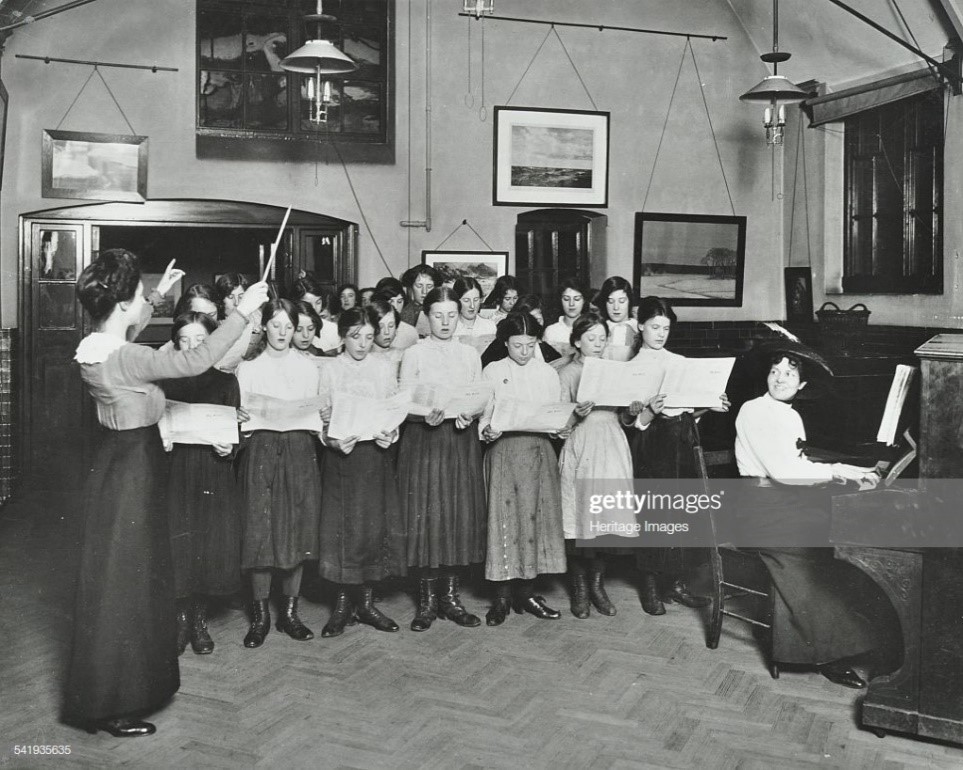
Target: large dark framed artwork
[(545, 157), (101, 167), (484, 266), (690, 259), (799, 294)]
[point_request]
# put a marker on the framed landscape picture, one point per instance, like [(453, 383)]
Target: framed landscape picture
[(102, 167), (690, 259), (547, 157), (484, 266)]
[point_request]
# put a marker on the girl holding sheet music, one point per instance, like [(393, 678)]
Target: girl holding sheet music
[(502, 298), (440, 473), (614, 301), (362, 534), (596, 450), (662, 445), (123, 658), (524, 523), (202, 501), (279, 479)]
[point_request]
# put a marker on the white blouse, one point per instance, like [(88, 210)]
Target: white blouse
[(440, 361), (767, 436), (536, 381), (291, 376), (480, 327), (371, 377)]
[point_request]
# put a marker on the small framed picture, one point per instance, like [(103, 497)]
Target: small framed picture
[(799, 294), (484, 266), (102, 167)]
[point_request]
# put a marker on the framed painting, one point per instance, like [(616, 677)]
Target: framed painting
[(690, 259), (546, 157), (484, 266), (163, 310), (799, 294), (102, 167)]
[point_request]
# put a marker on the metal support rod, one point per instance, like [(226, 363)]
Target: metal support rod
[(48, 59), (45, 14), (599, 27), (775, 26), (426, 222), (947, 73)]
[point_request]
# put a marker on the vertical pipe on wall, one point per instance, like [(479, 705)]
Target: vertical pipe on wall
[(426, 222)]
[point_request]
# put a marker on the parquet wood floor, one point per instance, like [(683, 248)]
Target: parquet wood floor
[(625, 692)]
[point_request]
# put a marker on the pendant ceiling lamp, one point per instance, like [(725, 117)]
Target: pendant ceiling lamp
[(775, 90), (320, 59)]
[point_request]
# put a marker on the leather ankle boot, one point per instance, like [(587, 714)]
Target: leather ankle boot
[(290, 623), (341, 616), (502, 606), (450, 606), (370, 615), (651, 603), (260, 624), (596, 589), (527, 601), (183, 628), (201, 641), (427, 605), (579, 599)]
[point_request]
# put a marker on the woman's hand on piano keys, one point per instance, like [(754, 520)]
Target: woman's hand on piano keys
[(866, 478)]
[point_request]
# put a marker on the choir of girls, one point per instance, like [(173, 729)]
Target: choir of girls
[(440, 493)]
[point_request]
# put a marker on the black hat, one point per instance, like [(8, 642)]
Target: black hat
[(818, 371)]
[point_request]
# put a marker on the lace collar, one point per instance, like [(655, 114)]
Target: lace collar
[(96, 347)]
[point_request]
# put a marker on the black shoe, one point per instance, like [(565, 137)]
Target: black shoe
[(183, 629), (680, 594), (201, 641), (499, 611), (842, 674), (341, 616), (651, 603), (260, 624), (450, 606), (290, 623), (123, 728), (370, 615), (580, 598), (535, 605), (596, 590), (427, 605)]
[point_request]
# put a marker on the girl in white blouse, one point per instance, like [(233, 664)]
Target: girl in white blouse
[(362, 534), (614, 301), (501, 301), (440, 473), (386, 332), (470, 324), (573, 297), (525, 536)]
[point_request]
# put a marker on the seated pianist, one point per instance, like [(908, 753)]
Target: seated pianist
[(827, 614)]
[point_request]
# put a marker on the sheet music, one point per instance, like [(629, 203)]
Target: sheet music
[(278, 414), (618, 383), (207, 424), (898, 391), (515, 414), (696, 382), (366, 417), (455, 400)]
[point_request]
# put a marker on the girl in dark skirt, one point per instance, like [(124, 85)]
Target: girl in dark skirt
[(123, 660), (280, 485), (202, 498), (663, 448), (525, 536), (440, 470), (362, 532)]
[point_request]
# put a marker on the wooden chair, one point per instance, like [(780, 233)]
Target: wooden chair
[(736, 575)]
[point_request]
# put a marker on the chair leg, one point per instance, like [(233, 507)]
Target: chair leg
[(773, 669), (714, 630)]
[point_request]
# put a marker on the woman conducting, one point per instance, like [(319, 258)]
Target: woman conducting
[(123, 660)]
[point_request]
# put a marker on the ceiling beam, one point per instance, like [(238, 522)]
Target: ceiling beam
[(953, 9)]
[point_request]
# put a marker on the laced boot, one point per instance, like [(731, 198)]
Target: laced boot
[(260, 624), (427, 605), (527, 601), (502, 606), (450, 606), (370, 615), (201, 641), (580, 598), (651, 602), (290, 623), (183, 627), (341, 616), (596, 588)]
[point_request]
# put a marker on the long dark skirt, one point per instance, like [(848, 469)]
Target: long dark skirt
[(665, 450), (281, 493), (525, 537), (363, 535), (124, 655), (205, 527), (442, 488), (825, 609)]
